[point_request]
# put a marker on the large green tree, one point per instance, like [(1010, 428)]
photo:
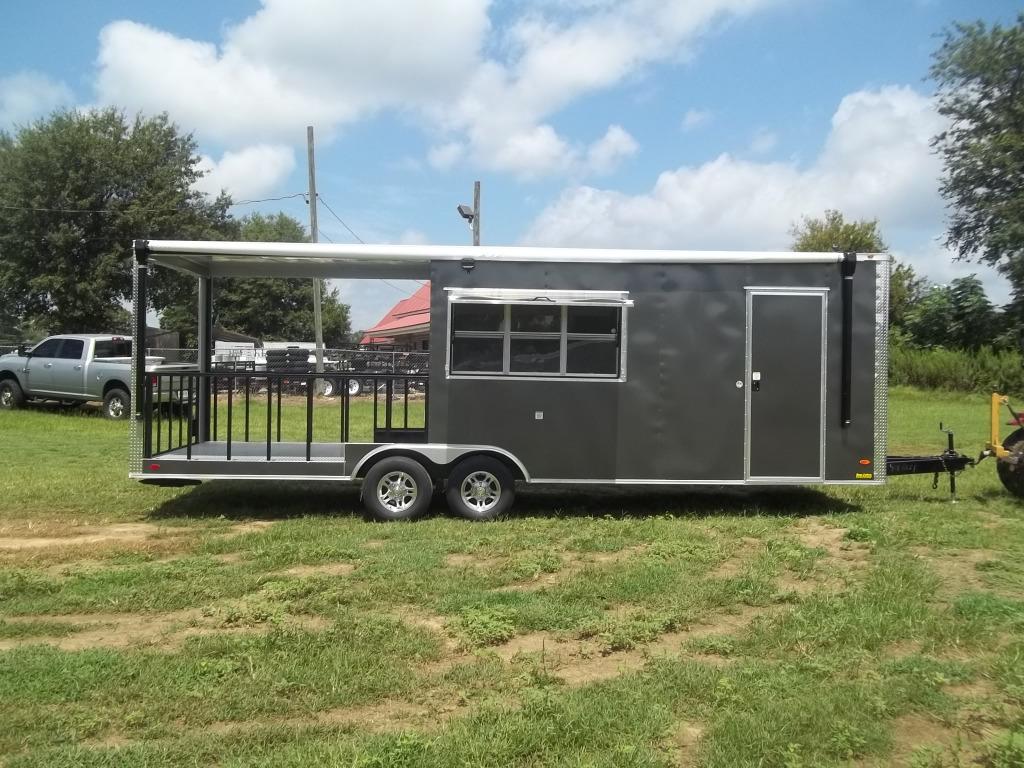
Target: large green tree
[(75, 190), (271, 309), (957, 316), (979, 71), (832, 232)]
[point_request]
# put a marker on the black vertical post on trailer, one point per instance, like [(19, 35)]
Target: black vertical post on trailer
[(205, 347), (848, 267), (141, 249)]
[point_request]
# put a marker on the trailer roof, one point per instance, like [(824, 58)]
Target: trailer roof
[(247, 259)]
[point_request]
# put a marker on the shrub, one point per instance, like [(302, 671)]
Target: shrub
[(982, 371)]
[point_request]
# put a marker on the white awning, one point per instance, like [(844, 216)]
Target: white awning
[(328, 260)]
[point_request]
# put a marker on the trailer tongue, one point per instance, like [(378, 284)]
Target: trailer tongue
[(1009, 454)]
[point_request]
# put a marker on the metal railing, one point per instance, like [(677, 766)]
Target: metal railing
[(252, 407)]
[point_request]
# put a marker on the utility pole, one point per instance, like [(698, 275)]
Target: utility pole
[(318, 320), (472, 215), (476, 213)]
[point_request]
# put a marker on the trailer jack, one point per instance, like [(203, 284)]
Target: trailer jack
[(950, 461)]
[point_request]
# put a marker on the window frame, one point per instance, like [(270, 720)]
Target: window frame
[(564, 300)]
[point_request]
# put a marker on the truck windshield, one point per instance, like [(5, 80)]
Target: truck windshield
[(114, 348)]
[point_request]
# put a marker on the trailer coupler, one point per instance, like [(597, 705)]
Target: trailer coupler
[(950, 461)]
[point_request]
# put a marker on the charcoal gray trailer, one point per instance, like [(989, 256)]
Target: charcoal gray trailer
[(554, 366)]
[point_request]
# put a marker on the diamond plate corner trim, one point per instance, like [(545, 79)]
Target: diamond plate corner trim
[(135, 428), (881, 367)]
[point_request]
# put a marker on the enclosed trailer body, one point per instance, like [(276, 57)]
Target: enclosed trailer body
[(584, 366)]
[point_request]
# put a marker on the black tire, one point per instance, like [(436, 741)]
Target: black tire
[(355, 387), (11, 396), (1011, 469), (409, 495), (480, 488), (117, 404), (331, 388)]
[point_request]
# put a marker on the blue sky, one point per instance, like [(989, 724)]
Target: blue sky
[(627, 123)]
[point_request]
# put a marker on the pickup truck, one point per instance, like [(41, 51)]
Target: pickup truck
[(75, 368)]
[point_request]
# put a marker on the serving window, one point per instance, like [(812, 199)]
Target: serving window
[(544, 336)]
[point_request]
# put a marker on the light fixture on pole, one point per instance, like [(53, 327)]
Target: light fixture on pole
[(472, 215)]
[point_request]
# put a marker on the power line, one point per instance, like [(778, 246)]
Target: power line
[(108, 211), (386, 282), (346, 226)]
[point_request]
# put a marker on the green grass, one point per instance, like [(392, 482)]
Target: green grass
[(594, 627)]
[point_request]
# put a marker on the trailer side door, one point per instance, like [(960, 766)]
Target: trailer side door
[(785, 382)]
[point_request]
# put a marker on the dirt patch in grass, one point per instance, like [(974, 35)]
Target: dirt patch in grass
[(839, 550), (323, 569), (162, 630), (579, 662), (685, 742), (468, 560), (957, 568), (735, 564), (921, 740), (572, 564), (119, 533)]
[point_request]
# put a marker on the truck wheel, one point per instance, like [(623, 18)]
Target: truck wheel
[(480, 488), (397, 488), (1011, 469), (11, 396), (355, 387), (116, 404)]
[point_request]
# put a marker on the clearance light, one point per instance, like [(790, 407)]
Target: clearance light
[(865, 462), (154, 466)]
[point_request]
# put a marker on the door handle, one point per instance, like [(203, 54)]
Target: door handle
[(78, 367), (755, 379), (47, 365)]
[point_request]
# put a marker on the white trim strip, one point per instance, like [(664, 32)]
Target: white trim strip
[(313, 253)]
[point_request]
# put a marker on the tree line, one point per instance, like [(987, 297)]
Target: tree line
[(78, 187)]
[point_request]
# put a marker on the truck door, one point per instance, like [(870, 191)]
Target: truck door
[(39, 366), (68, 372), (785, 384)]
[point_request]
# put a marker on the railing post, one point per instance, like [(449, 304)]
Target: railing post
[(188, 430), (270, 411), (231, 389), (203, 358)]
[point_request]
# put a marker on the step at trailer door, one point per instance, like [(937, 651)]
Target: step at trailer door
[(785, 384)]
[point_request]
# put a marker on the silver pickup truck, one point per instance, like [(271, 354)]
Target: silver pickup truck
[(74, 368)]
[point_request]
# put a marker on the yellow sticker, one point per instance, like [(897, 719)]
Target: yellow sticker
[(865, 475)]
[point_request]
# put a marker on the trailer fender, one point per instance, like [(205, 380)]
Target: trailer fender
[(439, 458)]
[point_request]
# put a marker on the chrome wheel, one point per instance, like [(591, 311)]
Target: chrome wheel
[(115, 408), (329, 387), (480, 491), (397, 491), (354, 387), (6, 397)]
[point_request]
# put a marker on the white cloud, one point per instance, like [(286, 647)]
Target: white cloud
[(695, 118), (876, 162), (248, 173), (764, 141), (276, 72), (444, 156), (25, 96), (606, 153)]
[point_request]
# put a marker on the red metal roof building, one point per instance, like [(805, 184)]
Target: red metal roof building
[(406, 324)]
